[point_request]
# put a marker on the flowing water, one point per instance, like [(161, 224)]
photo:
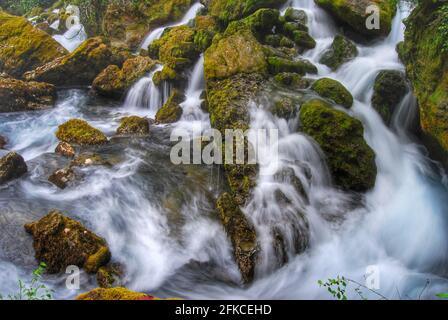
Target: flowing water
[(72, 38), (159, 219)]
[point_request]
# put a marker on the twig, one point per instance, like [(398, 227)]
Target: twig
[(365, 287)]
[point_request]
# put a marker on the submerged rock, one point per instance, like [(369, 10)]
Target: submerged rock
[(12, 166), (24, 47), (114, 82), (171, 111), (80, 132), (17, 95), (133, 125), (334, 90), (3, 142), (114, 294), (65, 149), (341, 138), (341, 51), (60, 242), (89, 159), (389, 89)]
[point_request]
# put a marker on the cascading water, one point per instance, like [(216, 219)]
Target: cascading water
[(72, 38)]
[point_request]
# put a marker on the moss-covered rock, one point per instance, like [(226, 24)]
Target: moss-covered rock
[(389, 89), (114, 82), (241, 233), (65, 149), (296, 15), (334, 90), (350, 159), (293, 80), (61, 178), (24, 47), (12, 166), (171, 111), (353, 14), (284, 108), (281, 65), (17, 95), (77, 68), (108, 276), (114, 294), (80, 132), (60, 242), (87, 159), (303, 39), (133, 125), (341, 51), (205, 29)]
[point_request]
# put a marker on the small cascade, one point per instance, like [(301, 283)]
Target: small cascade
[(157, 33), (72, 38)]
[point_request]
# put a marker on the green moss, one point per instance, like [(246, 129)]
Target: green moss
[(80, 132), (341, 51), (295, 15), (334, 90), (171, 111), (284, 108), (281, 65), (350, 159), (113, 294), (303, 39), (167, 74), (292, 80), (133, 125)]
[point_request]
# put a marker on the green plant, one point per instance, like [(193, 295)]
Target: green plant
[(442, 295), (35, 289), (338, 287)]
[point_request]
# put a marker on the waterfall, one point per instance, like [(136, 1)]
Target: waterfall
[(72, 38), (157, 33)]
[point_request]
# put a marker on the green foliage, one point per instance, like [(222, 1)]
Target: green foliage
[(442, 295), (336, 287), (443, 27), (35, 290)]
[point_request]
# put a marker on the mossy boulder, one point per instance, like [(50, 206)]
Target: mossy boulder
[(303, 39), (278, 65), (389, 89), (296, 15), (60, 241), (114, 82), (285, 108), (114, 294), (108, 276), (12, 166), (341, 138), (353, 14), (242, 235), (79, 132), (24, 47), (334, 90), (293, 80), (17, 95), (133, 125), (341, 51), (171, 111), (77, 68), (206, 28)]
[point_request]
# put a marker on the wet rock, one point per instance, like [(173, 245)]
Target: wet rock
[(62, 177), (12, 166), (109, 276), (389, 89), (79, 132), (333, 90), (17, 95), (60, 242), (353, 14), (294, 80), (133, 125), (341, 51), (114, 82), (114, 294), (171, 111), (242, 235), (65, 149), (303, 39), (296, 15), (89, 159), (281, 65), (341, 138), (284, 108), (3, 142), (24, 47), (77, 68)]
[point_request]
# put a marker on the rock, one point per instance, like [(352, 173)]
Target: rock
[(295, 15), (114, 294), (80, 132), (341, 51), (389, 89), (89, 159), (12, 166), (281, 65), (65, 149), (334, 90), (303, 39), (77, 68), (295, 80), (241, 233), (341, 138), (60, 242), (289, 28), (205, 29), (114, 82), (62, 177), (133, 125), (284, 108), (171, 111), (23, 47), (109, 276), (3, 142), (353, 14), (17, 95)]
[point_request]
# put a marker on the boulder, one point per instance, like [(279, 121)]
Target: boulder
[(333, 90), (65, 149), (62, 177), (79, 132), (17, 95), (24, 47), (285, 108), (341, 137), (296, 15), (353, 13), (114, 82), (78, 68), (294, 80), (12, 166), (133, 125), (303, 39), (3, 142), (60, 242), (108, 276), (87, 159), (278, 65), (341, 51), (389, 89), (171, 111), (114, 294)]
